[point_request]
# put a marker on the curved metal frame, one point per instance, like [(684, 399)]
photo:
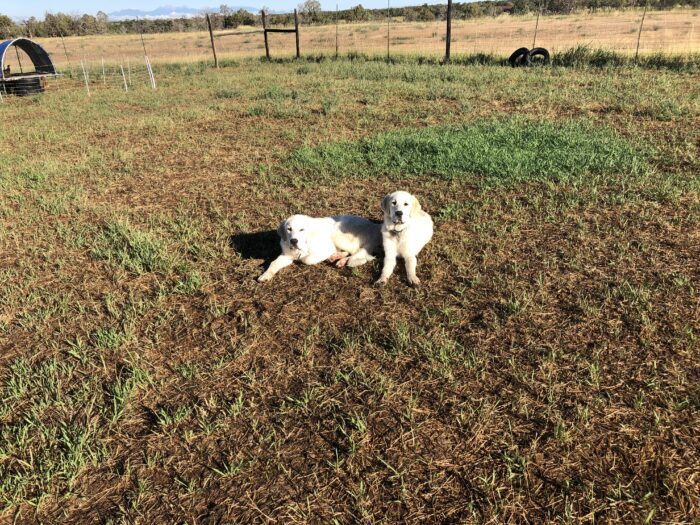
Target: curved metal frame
[(37, 54)]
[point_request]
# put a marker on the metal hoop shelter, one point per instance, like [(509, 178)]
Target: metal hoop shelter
[(25, 83)]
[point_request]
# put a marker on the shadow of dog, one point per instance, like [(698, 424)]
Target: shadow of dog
[(256, 245)]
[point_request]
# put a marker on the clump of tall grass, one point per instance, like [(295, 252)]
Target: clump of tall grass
[(579, 56), (585, 56)]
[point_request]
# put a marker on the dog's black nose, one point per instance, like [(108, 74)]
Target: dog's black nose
[(293, 242), (399, 213)]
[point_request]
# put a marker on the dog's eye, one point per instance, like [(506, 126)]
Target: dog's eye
[(405, 204), (301, 230), (394, 203), (289, 229)]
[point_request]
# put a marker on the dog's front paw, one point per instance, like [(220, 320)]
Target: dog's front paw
[(381, 281), (415, 282), (264, 278), (341, 263), (337, 256)]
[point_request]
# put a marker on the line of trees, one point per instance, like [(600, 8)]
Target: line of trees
[(61, 24)]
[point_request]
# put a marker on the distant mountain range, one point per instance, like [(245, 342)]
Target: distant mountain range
[(169, 11)]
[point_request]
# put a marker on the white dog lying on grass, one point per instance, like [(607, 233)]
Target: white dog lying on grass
[(405, 231), (346, 240)]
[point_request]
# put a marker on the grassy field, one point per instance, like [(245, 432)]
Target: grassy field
[(676, 31), (547, 371)]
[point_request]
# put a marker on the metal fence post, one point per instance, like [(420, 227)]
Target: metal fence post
[(70, 66), (537, 24), (639, 35), (388, 29)]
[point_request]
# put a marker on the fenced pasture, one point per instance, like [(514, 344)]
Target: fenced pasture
[(675, 31), (547, 371)]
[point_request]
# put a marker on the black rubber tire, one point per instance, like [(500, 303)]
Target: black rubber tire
[(539, 52), (520, 57), (25, 87)]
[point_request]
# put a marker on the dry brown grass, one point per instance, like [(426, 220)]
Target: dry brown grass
[(676, 31), (547, 372)]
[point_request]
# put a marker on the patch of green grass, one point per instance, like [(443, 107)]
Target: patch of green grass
[(120, 391), (256, 110), (228, 93), (40, 445), (276, 92), (502, 148), (110, 338), (169, 417), (124, 245), (189, 283)]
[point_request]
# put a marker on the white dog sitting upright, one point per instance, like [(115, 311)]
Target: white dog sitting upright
[(406, 230), (344, 239)]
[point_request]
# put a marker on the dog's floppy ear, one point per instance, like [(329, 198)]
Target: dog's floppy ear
[(282, 230), (415, 207), (385, 202)]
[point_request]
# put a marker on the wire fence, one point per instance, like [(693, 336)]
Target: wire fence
[(86, 78), (676, 31), (124, 61), (673, 31)]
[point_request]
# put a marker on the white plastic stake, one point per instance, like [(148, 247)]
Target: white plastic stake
[(85, 76), (153, 77), (126, 87), (150, 72)]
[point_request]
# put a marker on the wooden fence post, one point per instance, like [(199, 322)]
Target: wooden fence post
[(267, 46), (448, 35), (296, 28), (213, 46)]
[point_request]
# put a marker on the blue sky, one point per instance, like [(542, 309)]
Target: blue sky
[(18, 8)]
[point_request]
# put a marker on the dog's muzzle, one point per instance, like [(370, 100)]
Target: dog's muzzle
[(397, 227), (297, 253)]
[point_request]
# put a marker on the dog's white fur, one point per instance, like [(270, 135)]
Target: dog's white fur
[(405, 231), (344, 240)]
